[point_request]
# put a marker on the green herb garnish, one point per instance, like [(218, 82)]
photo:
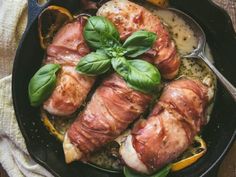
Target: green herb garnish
[(101, 34), (161, 173)]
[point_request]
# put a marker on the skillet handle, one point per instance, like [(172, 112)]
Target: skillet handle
[(34, 10)]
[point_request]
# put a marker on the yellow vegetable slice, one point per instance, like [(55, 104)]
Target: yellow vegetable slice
[(196, 153), (51, 127), (50, 21), (160, 3)]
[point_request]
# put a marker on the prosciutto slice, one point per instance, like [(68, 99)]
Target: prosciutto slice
[(129, 17), (113, 107), (67, 48), (170, 128)]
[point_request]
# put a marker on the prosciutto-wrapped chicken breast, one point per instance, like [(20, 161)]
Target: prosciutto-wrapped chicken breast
[(129, 17), (113, 107), (170, 128), (67, 48)]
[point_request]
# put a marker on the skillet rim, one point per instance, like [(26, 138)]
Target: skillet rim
[(17, 111)]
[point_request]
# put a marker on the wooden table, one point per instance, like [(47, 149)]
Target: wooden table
[(228, 166)]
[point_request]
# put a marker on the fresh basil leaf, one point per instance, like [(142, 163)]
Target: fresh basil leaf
[(139, 42), (139, 75), (99, 33), (143, 76), (42, 84), (131, 173), (121, 66), (161, 173), (94, 63)]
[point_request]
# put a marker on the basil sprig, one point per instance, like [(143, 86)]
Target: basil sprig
[(161, 173), (139, 42), (42, 84), (101, 34)]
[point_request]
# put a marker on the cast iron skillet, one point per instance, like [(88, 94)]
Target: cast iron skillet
[(47, 151)]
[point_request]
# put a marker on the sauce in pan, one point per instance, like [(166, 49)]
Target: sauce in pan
[(181, 32)]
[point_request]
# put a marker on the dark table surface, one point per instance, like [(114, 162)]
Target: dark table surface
[(228, 166)]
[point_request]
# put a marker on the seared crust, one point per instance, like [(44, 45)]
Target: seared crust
[(70, 92)]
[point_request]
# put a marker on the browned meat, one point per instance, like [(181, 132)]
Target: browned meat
[(170, 128), (129, 17), (67, 48), (113, 107)]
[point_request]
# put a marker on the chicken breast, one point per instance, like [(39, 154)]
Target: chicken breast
[(170, 128), (67, 48), (112, 108), (129, 17)]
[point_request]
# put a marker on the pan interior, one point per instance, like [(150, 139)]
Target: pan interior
[(108, 157), (219, 134)]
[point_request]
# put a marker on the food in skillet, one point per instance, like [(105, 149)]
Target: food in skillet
[(169, 129), (114, 105), (123, 84)]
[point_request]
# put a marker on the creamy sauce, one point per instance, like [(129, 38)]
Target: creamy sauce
[(180, 31), (185, 40)]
